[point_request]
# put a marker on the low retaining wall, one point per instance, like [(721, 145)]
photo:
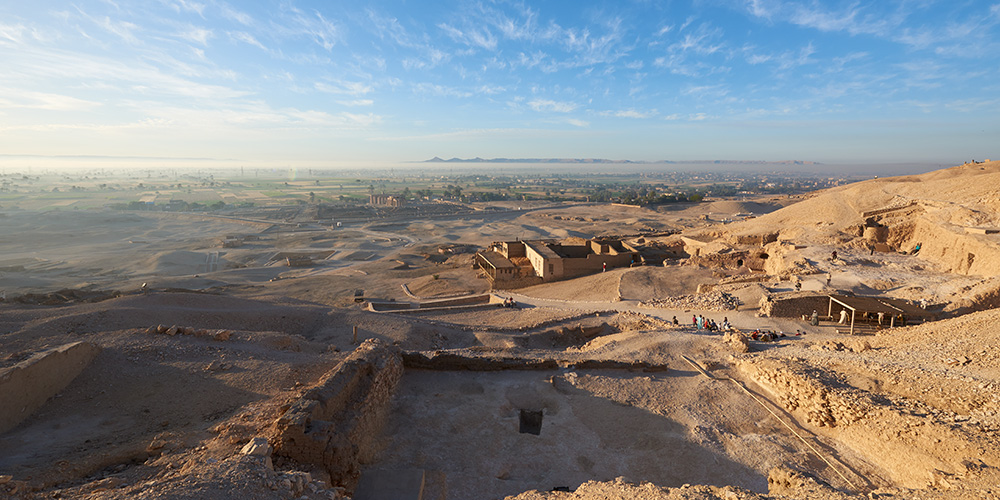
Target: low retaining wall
[(465, 301), (461, 301), (26, 386), (334, 425)]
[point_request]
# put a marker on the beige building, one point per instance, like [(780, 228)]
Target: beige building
[(522, 263)]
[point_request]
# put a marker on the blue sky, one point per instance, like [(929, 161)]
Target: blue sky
[(320, 82)]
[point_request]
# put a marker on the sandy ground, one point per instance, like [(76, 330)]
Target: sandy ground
[(161, 416)]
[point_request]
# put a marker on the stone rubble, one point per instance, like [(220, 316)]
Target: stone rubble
[(712, 301)]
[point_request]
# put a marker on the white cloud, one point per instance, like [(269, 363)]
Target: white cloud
[(246, 38), (197, 35), (490, 89), (578, 123), (122, 29), (440, 91), (542, 105), (344, 88), (12, 32), (472, 37), (317, 27), (757, 8), (630, 113), (358, 102), (188, 6), (28, 99), (235, 15)]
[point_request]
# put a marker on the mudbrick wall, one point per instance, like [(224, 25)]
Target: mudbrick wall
[(335, 423), (27, 385)]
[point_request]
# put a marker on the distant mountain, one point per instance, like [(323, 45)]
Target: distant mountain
[(437, 159)]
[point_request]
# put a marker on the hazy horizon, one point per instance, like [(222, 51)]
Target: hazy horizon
[(10, 164)]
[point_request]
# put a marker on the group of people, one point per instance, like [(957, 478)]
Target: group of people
[(702, 323), (508, 302), (769, 336)]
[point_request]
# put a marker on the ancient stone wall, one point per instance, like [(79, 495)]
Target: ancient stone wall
[(26, 386), (794, 307), (753, 239), (334, 424), (908, 447)]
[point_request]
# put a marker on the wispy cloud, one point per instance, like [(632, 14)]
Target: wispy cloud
[(479, 38), (543, 105), (431, 89), (690, 54), (357, 102), (197, 35), (123, 29), (344, 88), (27, 99), (13, 33), (630, 113), (314, 26), (231, 13), (246, 38), (187, 6), (784, 60)]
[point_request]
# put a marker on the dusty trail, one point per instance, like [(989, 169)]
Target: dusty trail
[(739, 319)]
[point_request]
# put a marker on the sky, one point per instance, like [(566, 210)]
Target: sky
[(311, 83)]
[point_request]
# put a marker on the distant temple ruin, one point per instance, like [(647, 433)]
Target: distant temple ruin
[(513, 264), (382, 200)]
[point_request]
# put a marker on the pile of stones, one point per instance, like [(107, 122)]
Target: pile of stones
[(712, 301)]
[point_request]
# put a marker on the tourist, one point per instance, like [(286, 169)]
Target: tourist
[(814, 319), (676, 323), (843, 316), (829, 277), (881, 316)]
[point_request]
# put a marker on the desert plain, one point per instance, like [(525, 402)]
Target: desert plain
[(143, 356)]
